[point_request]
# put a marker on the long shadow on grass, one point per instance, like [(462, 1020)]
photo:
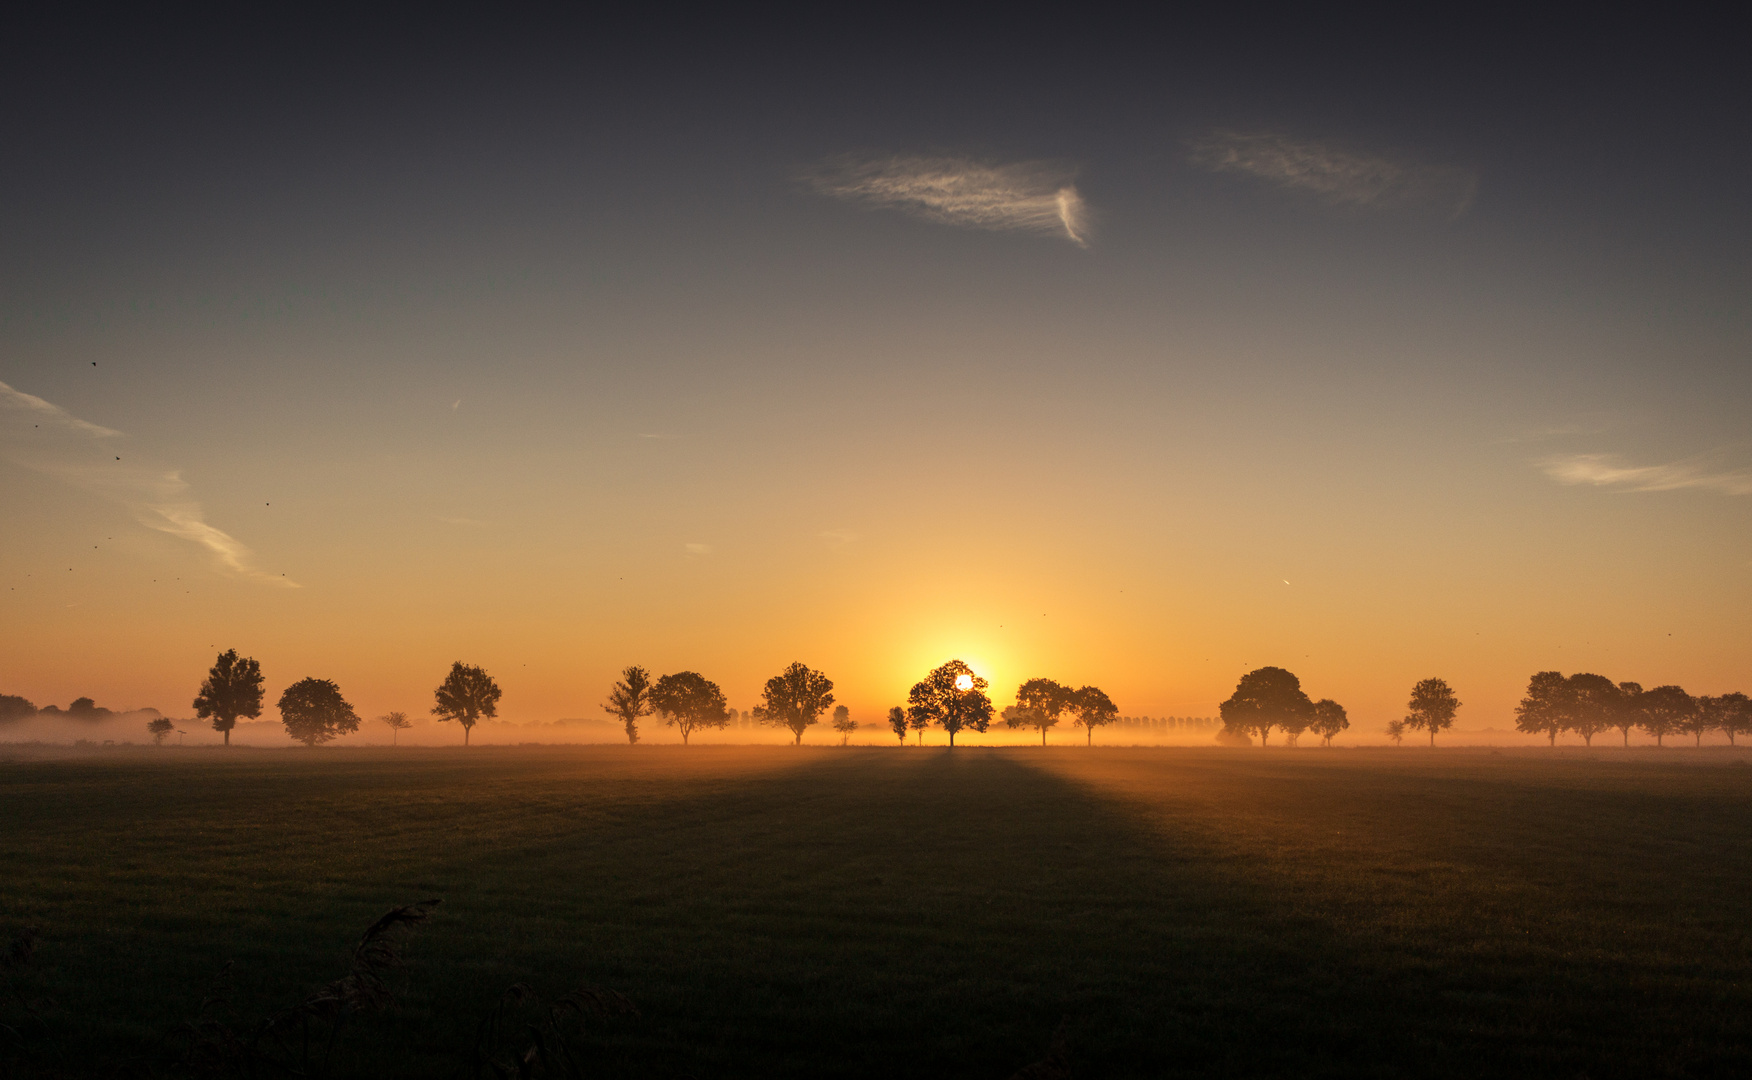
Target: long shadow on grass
[(873, 913)]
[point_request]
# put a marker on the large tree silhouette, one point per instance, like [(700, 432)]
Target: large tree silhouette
[(897, 723), (13, 707), (1594, 704), (233, 689), (1262, 700), (629, 699), (1627, 710), (688, 701), (1546, 708), (795, 698), (1329, 720), (1431, 708), (1092, 708), (1039, 705), (314, 711), (466, 695), (1665, 710), (953, 698)]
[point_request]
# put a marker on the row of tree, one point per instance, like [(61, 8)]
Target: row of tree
[(1589, 705), (952, 697), (314, 711)]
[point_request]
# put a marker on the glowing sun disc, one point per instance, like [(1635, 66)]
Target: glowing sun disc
[(964, 682)]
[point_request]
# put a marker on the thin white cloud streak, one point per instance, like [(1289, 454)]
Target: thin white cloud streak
[(49, 439), (1339, 176), (1026, 196), (1606, 470)]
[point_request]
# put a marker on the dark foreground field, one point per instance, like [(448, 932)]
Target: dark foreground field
[(783, 912)]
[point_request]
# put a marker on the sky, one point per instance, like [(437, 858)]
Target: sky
[(1136, 355)]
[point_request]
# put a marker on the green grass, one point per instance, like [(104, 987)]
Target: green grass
[(783, 912)]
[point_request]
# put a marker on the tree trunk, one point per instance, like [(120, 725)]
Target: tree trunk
[(227, 736), (1552, 735), (1432, 738), (1043, 736), (1700, 738), (466, 729), (951, 738), (1091, 730), (1627, 738), (1588, 739)]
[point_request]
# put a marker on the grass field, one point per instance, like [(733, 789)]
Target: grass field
[(783, 912)]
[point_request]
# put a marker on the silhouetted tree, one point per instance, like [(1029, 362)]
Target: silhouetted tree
[(13, 707), (1092, 708), (897, 723), (1735, 717), (1396, 731), (1262, 700), (795, 698), (159, 729), (1627, 711), (1431, 708), (688, 701), (1594, 703), (1665, 709), (1546, 708), (951, 697), (397, 722), (1703, 717), (233, 689), (1329, 720), (843, 723), (630, 699), (1039, 704), (466, 695), (314, 711)]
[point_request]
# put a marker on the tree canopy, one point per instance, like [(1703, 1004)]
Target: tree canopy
[(1665, 710), (897, 723), (843, 723), (159, 728), (951, 697), (688, 701), (1734, 716), (13, 707), (1329, 720), (1595, 702), (1092, 708), (397, 723), (1262, 700), (314, 712), (795, 698), (1627, 711), (466, 695), (1545, 709), (1039, 705), (629, 699), (1432, 707), (233, 689)]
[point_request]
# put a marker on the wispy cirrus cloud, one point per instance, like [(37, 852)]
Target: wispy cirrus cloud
[(1609, 471), (1025, 196), (42, 436), (1338, 175)]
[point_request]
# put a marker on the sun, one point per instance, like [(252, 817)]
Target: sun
[(964, 682)]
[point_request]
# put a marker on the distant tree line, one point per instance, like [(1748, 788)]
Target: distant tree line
[(1588, 705)]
